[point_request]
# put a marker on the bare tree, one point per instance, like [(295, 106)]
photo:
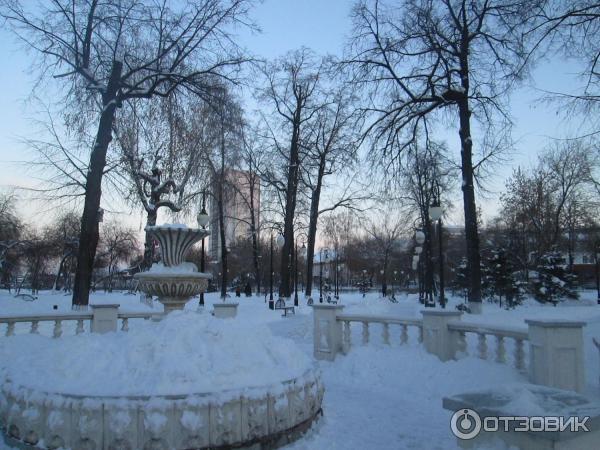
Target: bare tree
[(543, 204), (107, 53), (386, 234), (227, 140), (425, 59), (117, 244), (426, 174), (63, 233), (10, 232), (252, 164), (331, 147), (571, 27), (292, 90)]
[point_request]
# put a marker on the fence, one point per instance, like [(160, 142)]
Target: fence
[(102, 318), (554, 347)]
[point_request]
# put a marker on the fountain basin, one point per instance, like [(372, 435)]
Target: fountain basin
[(190, 381), (173, 280), (173, 289), (270, 416)]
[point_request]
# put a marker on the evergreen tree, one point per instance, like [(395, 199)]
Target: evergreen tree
[(502, 282), (461, 278), (553, 282)]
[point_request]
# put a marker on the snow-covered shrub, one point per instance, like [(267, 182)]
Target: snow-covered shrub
[(500, 280), (553, 282)]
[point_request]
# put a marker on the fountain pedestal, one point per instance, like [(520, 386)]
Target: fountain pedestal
[(174, 281)]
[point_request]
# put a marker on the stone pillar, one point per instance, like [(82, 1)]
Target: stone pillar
[(436, 336), (327, 331), (556, 354), (104, 318)]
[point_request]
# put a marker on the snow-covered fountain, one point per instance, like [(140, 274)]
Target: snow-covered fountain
[(189, 381), (173, 280)]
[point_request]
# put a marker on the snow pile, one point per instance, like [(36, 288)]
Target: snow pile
[(181, 226), (184, 353), (185, 267)]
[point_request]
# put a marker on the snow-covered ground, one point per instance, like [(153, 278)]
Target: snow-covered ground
[(377, 396)]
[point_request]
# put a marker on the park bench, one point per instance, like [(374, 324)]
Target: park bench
[(26, 297), (280, 304)]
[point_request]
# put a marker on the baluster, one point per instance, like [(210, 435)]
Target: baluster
[(125, 325), (420, 334), (57, 328), (462, 343), (10, 330), (347, 336), (482, 347), (519, 355), (386, 334), (79, 328), (404, 334), (500, 350), (34, 327), (365, 333)]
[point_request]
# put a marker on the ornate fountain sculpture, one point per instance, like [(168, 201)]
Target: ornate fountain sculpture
[(174, 281)]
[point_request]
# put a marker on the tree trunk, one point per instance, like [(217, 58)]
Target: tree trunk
[(88, 238), (470, 209), (312, 228), (428, 249), (151, 216), (290, 208), (222, 235), (60, 271), (253, 227)]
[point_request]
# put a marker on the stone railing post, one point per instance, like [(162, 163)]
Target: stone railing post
[(225, 310), (436, 336), (104, 318), (556, 354), (327, 331)]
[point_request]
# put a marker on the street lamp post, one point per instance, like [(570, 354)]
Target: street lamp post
[(280, 243), (337, 271), (320, 275), (296, 276), (321, 272), (435, 212), (335, 285), (420, 239), (271, 304), (203, 220), (297, 272), (597, 254)]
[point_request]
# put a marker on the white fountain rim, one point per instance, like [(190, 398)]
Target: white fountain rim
[(311, 374)]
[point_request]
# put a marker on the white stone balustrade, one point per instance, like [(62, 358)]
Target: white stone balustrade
[(490, 337), (106, 320), (385, 322), (555, 348)]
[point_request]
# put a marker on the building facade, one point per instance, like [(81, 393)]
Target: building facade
[(241, 201)]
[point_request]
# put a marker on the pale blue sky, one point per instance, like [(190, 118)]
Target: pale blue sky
[(322, 25)]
